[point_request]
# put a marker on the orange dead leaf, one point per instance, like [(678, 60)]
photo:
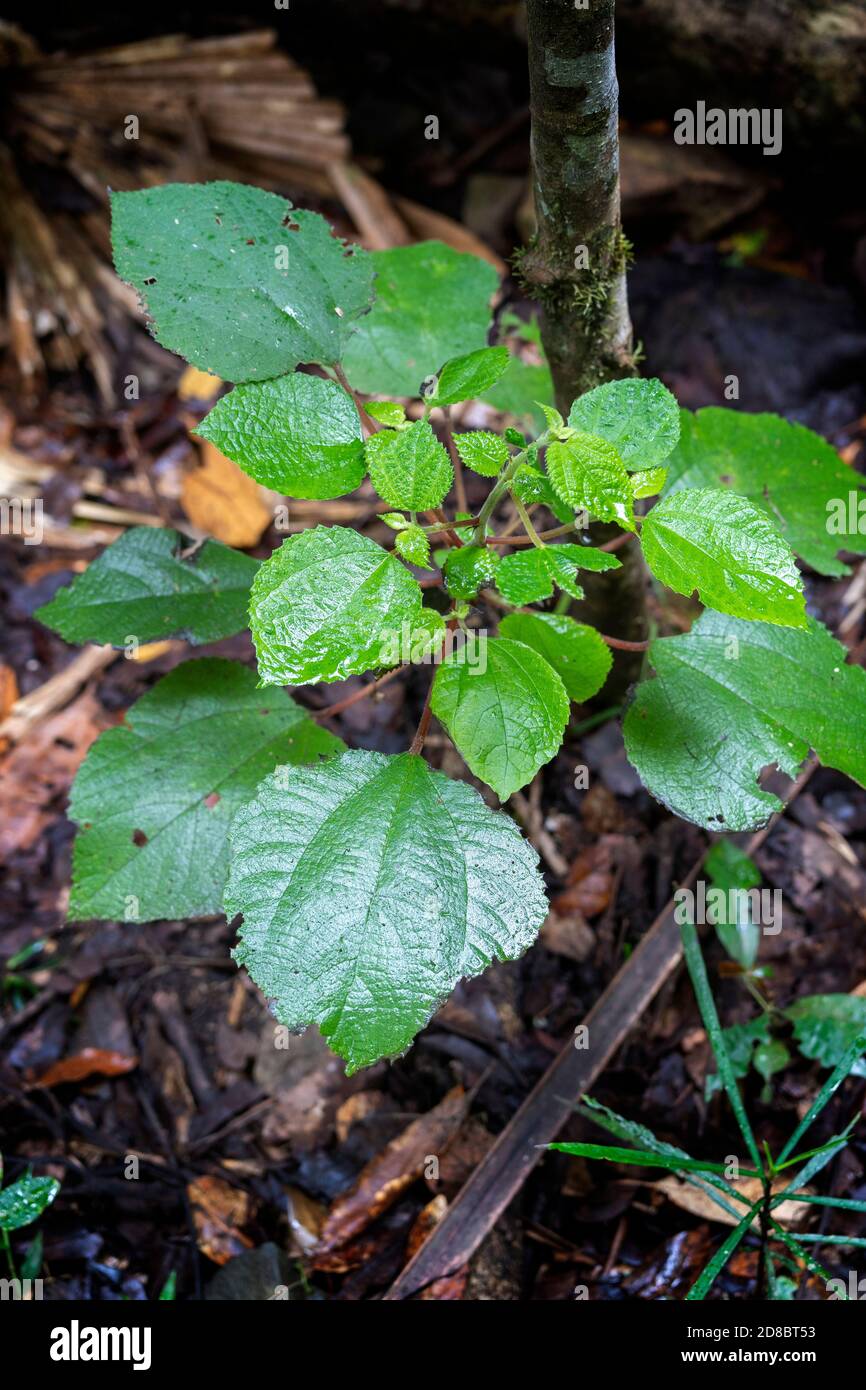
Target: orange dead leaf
[(90, 1061), (220, 499), (218, 1211)]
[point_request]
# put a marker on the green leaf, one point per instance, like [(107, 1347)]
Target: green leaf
[(531, 485), (702, 1285), (647, 482), (643, 1158), (155, 797), (770, 1057), (387, 412), (842, 1070), (237, 281), (575, 651), (469, 569), (640, 418), (735, 873), (519, 391), (413, 545), (784, 469), (25, 1201), (505, 708), (141, 588), (409, 468), (741, 1040), (704, 995), (729, 867), (729, 699), (717, 543), (370, 886), (588, 473), (325, 605), (825, 1026), (527, 576), (464, 378), (482, 451), (432, 304), (298, 434)]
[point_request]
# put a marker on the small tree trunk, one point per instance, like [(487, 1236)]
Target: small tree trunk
[(576, 263)]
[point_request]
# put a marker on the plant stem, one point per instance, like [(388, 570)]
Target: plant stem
[(456, 461), (370, 425), (620, 645), (499, 489), (357, 695), (527, 524), (10, 1260), (423, 724)]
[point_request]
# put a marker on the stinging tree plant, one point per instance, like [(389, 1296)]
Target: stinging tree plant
[(369, 885)]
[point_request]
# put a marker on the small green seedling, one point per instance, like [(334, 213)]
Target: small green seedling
[(21, 1203), (369, 885), (777, 1245)]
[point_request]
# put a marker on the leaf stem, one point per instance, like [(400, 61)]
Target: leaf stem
[(527, 524), (423, 724), (619, 644), (357, 695), (370, 425), (457, 463)]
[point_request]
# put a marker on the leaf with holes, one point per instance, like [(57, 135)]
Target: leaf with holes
[(588, 473), (297, 434), (409, 468), (369, 886), (576, 652), (432, 304), (528, 576), (731, 697), (236, 280), (717, 543), (641, 419), (505, 708), (327, 604), (154, 798), (816, 500), (141, 587)]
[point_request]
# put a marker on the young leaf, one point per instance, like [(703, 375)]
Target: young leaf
[(413, 545), (640, 418), (528, 576), (825, 1026), (587, 472), (785, 470), (155, 797), (531, 485), (730, 698), (141, 587), (297, 434), (729, 867), (482, 451), (432, 303), (25, 1201), (719, 544), (464, 378), (469, 569), (325, 604), (645, 1158), (576, 652), (387, 413), (237, 281), (505, 708), (409, 468), (734, 873), (741, 1040), (369, 886), (647, 482)]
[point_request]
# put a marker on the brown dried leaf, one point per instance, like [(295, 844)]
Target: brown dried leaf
[(696, 1201), (220, 499), (90, 1061), (218, 1211)]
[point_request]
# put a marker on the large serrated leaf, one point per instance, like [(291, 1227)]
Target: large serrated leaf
[(432, 303), (588, 474), (576, 652), (369, 886), (528, 576), (327, 605), (731, 697), (154, 799), (719, 544), (236, 280), (297, 434), (505, 708), (141, 588), (640, 418), (785, 469), (409, 468)]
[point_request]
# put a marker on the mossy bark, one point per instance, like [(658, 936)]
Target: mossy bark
[(576, 263)]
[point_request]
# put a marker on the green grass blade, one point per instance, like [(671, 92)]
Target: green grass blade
[(700, 1288), (643, 1158), (802, 1253), (706, 1004), (841, 1203), (832, 1084), (816, 1238)]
